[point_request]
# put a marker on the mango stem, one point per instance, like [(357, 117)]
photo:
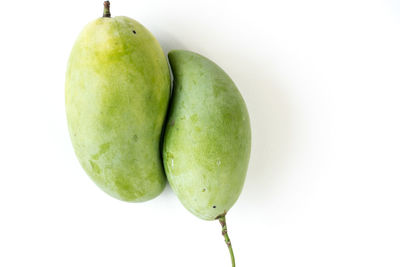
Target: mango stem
[(106, 11), (222, 221)]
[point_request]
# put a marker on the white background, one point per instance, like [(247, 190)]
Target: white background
[(322, 83)]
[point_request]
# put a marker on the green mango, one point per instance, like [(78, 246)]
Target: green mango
[(207, 139), (116, 92)]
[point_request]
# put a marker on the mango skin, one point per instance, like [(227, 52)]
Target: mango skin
[(207, 140), (116, 93)]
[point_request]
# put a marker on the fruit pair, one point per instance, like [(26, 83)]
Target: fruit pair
[(117, 95)]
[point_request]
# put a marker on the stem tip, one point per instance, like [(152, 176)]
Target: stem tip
[(222, 221), (106, 11)]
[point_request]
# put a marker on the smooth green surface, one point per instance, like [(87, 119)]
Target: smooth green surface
[(207, 140), (117, 92)]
